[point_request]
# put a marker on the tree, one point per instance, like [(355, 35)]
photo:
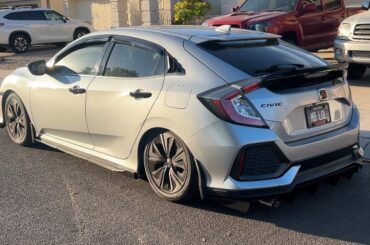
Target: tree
[(190, 11)]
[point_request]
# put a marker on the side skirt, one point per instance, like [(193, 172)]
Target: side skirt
[(100, 159)]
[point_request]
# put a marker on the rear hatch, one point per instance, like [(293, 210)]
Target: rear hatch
[(297, 94)]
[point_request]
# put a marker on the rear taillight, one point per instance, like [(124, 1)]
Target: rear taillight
[(231, 104)]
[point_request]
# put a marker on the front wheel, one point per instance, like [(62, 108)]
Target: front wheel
[(17, 121), (356, 71), (80, 33), (169, 167)]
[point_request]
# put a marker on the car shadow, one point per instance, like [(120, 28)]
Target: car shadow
[(328, 213), (364, 82)]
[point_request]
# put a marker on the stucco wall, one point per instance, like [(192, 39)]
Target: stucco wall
[(101, 12)]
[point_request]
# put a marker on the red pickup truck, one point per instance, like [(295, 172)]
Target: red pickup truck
[(311, 24)]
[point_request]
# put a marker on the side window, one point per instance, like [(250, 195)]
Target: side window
[(332, 4), (80, 61), (52, 15), (127, 60), (316, 2), (14, 16)]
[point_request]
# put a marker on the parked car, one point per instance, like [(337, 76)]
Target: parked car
[(310, 24), (20, 28), (353, 43), (223, 112)]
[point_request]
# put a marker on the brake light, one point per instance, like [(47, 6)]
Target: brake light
[(231, 105)]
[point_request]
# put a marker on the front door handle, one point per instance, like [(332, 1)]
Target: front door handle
[(140, 94), (77, 90)]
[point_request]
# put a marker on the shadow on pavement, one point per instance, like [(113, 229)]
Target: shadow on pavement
[(329, 213)]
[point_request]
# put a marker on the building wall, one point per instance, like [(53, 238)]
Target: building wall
[(101, 12)]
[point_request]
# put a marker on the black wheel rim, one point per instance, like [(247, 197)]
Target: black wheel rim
[(16, 120), (20, 43), (167, 163), (81, 34)]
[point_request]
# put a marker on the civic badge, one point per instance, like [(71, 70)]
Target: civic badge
[(323, 94)]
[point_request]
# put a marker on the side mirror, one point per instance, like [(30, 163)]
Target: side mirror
[(236, 8), (309, 8), (366, 4), (37, 68), (65, 19)]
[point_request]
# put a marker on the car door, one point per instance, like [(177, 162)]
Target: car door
[(335, 14), (314, 25), (120, 98), (58, 98), (60, 29)]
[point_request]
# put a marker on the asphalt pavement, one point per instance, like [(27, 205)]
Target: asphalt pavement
[(47, 196)]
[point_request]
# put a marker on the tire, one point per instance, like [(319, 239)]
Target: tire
[(80, 32), (356, 71), (170, 168), (19, 43), (17, 121)]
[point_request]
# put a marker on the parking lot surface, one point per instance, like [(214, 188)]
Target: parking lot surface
[(47, 196)]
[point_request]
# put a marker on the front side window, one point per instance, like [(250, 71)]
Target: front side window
[(268, 5), (52, 15), (26, 15), (316, 2), (332, 4), (261, 57), (80, 61), (128, 60)]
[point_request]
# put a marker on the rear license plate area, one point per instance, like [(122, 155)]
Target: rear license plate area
[(317, 115)]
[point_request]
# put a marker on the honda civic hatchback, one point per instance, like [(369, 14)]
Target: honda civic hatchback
[(195, 110)]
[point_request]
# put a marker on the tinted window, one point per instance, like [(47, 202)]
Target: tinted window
[(26, 15), (332, 4), (52, 15), (80, 61), (316, 2), (265, 5), (255, 56), (128, 60)]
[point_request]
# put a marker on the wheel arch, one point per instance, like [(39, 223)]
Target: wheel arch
[(81, 28), (20, 32)]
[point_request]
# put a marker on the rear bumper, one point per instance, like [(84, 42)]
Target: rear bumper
[(343, 49), (294, 178)]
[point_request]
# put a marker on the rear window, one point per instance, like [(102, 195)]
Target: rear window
[(255, 56)]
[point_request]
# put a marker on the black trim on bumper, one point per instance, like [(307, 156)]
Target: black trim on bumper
[(302, 179)]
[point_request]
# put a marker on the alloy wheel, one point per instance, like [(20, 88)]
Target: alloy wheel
[(16, 120), (21, 43), (167, 163)]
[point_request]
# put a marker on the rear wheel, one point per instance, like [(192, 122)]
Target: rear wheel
[(17, 121), (169, 167), (356, 71), (19, 43)]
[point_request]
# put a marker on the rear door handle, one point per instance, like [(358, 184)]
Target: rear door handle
[(140, 94), (77, 90)]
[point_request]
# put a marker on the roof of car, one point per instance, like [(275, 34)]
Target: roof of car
[(197, 34)]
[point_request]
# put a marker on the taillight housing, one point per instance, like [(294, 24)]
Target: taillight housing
[(230, 104)]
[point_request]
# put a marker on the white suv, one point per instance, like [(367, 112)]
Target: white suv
[(21, 28)]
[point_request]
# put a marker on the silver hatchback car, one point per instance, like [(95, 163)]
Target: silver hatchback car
[(195, 110)]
